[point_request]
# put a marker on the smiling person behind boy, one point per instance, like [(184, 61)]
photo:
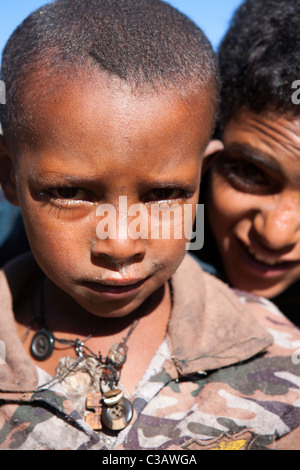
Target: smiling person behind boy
[(253, 190), (111, 99)]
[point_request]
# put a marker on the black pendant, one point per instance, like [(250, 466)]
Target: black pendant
[(42, 345)]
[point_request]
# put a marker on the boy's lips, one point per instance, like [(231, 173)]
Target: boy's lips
[(115, 287)]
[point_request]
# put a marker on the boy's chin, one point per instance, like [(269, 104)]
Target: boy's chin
[(143, 302), (113, 309)]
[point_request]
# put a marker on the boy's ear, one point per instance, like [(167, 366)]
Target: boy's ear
[(213, 149), (7, 174)]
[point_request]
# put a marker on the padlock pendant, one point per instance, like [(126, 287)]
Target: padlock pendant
[(93, 402), (116, 413)]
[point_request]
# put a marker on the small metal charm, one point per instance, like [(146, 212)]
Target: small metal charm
[(79, 345), (112, 397), (118, 415), (118, 354), (42, 345)]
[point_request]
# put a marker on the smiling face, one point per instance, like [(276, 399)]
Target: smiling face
[(92, 143), (254, 203)]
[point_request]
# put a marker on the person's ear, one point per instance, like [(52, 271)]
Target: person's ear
[(212, 151), (7, 174)]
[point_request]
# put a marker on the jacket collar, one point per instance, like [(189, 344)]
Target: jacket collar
[(19, 372), (210, 327)]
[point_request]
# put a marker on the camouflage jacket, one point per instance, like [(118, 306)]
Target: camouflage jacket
[(227, 376)]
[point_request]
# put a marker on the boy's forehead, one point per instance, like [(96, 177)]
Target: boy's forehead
[(52, 104), (87, 85)]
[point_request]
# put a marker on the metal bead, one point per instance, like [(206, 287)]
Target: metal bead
[(112, 397), (42, 345), (118, 416), (118, 354)]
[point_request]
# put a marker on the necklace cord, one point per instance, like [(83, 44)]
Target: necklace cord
[(109, 366)]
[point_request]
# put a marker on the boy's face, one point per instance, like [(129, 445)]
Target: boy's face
[(92, 143), (254, 205)]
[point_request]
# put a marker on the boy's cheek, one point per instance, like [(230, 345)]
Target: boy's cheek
[(62, 245), (52, 239), (68, 254)]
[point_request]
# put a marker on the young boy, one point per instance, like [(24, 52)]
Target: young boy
[(112, 104)]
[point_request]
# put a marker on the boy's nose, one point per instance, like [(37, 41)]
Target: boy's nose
[(119, 252), (113, 240), (278, 225)]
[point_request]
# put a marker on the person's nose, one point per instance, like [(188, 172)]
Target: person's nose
[(113, 240), (277, 223), (119, 252)]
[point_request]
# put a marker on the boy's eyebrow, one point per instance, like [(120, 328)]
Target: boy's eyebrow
[(255, 155), (48, 176), (172, 183), (53, 177)]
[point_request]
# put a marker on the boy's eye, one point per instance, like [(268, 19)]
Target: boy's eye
[(69, 193), (163, 194)]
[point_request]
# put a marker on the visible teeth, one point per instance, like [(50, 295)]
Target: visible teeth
[(268, 261)]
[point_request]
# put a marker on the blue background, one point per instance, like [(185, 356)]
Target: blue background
[(212, 16)]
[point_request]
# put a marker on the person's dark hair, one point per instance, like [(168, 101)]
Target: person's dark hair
[(260, 58), (140, 41)]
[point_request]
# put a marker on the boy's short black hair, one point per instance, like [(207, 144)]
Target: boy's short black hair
[(140, 41), (260, 58)]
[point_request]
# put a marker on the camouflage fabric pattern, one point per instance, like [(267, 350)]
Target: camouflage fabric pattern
[(244, 406), (47, 421)]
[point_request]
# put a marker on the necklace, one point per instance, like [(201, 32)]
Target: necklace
[(108, 407)]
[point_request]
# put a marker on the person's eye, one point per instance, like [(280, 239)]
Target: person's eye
[(247, 172), (245, 176), (164, 194), (66, 193)]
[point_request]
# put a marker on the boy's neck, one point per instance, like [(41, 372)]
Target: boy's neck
[(63, 314), (66, 320)]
